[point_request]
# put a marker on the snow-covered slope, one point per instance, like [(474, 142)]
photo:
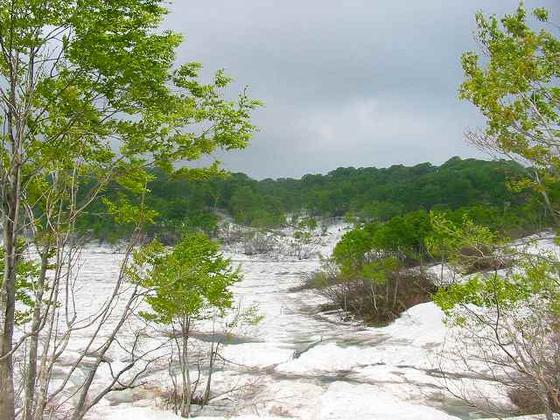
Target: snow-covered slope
[(342, 371)]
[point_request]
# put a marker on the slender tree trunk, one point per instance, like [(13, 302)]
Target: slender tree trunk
[(7, 305), (8, 298), (373, 296), (187, 388), (31, 373), (213, 354), (82, 406), (395, 292), (546, 198), (11, 196), (48, 352)]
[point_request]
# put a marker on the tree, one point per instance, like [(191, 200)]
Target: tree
[(371, 275), (185, 285), (509, 313), (306, 236), (351, 251), (507, 316), (516, 88), (89, 95)]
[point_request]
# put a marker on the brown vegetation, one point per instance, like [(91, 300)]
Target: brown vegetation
[(376, 303)]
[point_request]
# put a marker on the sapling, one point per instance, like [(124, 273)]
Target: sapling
[(187, 284)]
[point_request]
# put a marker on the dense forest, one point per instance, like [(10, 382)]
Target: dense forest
[(355, 193)]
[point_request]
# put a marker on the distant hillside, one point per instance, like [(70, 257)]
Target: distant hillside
[(368, 193)]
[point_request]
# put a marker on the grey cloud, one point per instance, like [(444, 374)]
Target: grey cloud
[(345, 82)]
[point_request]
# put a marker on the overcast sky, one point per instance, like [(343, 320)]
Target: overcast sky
[(345, 82)]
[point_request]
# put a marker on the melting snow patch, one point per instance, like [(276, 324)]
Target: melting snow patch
[(138, 413), (152, 414), (256, 354), (329, 358), (344, 401)]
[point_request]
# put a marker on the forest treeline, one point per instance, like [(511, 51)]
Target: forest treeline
[(481, 188)]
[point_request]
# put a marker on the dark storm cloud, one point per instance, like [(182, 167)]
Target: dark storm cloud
[(345, 82)]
